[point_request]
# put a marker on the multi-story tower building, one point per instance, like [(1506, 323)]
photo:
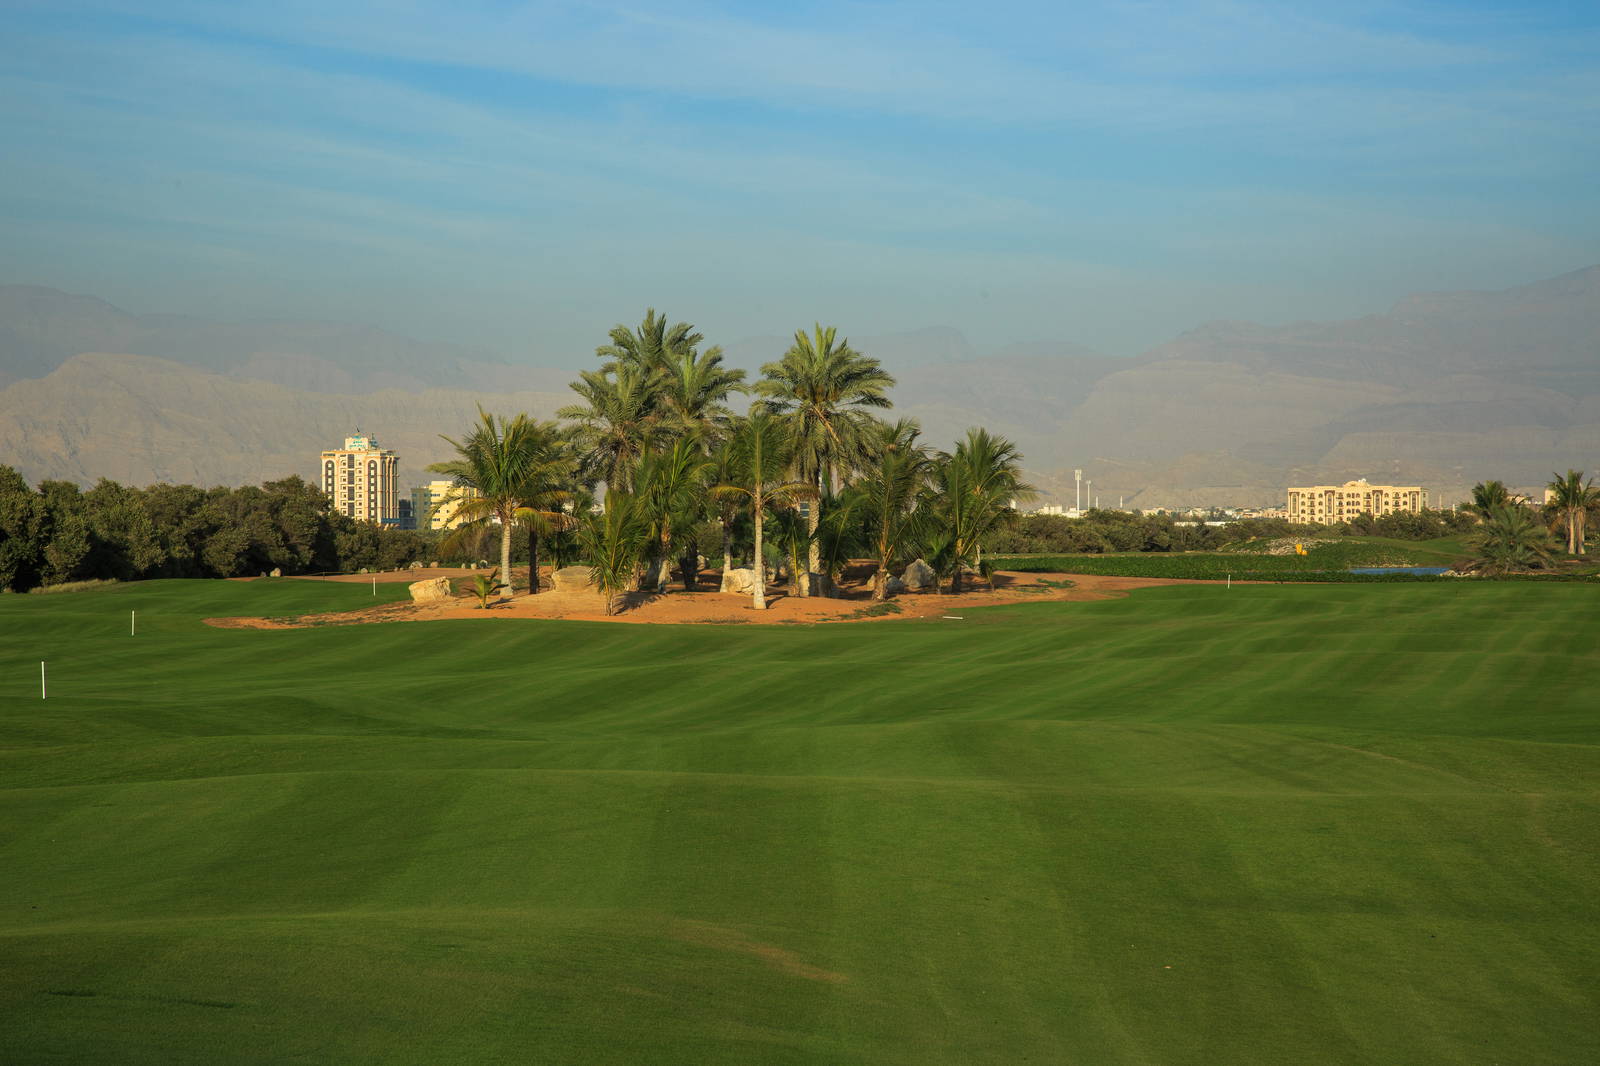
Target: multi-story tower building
[(1328, 504), (360, 479), (435, 504)]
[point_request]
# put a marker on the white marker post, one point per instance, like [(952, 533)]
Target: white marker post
[(42, 693), (133, 623), (1230, 581), (374, 584)]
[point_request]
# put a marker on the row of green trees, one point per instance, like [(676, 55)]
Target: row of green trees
[(60, 533), (1121, 531), (654, 458), (1517, 536)]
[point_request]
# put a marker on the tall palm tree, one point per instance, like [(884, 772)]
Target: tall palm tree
[(1571, 498), (1486, 496), (695, 391), (501, 462), (891, 490), (548, 494), (762, 453), (618, 422), (975, 486), (825, 391), (654, 347), (1511, 540), (724, 470)]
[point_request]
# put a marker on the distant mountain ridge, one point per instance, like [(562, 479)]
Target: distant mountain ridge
[(41, 328), (1443, 389), (138, 419)]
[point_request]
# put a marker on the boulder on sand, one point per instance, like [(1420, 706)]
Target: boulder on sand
[(277, 571), (740, 581), (570, 579), (417, 565), (433, 590), (894, 586), (919, 575)]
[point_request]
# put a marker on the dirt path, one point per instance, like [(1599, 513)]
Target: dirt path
[(712, 607)]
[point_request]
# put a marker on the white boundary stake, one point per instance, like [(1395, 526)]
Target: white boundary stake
[(1230, 581), (42, 693), (133, 623), (374, 584)]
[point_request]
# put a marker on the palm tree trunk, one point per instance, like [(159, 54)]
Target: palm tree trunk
[(814, 549), (727, 551), (533, 561), (689, 564), (759, 597), (505, 553), (880, 580)]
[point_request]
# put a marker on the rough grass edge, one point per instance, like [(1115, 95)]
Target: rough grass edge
[(74, 586)]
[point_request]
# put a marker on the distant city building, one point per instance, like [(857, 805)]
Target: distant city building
[(360, 480), (1329, 504), (407, 518), (436, 503)]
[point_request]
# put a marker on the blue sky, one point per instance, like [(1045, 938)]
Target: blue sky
[(525, 175)]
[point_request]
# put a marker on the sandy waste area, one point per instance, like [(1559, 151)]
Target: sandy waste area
[(852, 601)]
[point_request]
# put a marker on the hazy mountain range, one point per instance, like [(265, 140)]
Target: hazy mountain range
[(1445, 389)]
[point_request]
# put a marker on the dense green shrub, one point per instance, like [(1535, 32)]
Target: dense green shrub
[(59, 533)]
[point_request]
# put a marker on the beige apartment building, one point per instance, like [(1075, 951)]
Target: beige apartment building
[(436, 503), (360, 479), (1327, 504)]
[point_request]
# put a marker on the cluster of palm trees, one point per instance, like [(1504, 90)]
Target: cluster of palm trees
[(633, 476), (1516, 537)]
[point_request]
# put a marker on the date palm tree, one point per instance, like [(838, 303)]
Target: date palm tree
[(891, 492), (613, 540), (695, 391), (724, 470), (654, 347), (761, 456), (671, 483), (695, 394), (501, 461), (1571, 498), (549, 492), (1511, 540), (974, 487), (841, 535), (825, 391), (1486, 496), (618, 422)]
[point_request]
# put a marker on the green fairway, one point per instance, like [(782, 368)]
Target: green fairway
[(1277, 824)]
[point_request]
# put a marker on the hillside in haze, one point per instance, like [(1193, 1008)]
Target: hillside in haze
[(42, 328), (1444, 389)]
